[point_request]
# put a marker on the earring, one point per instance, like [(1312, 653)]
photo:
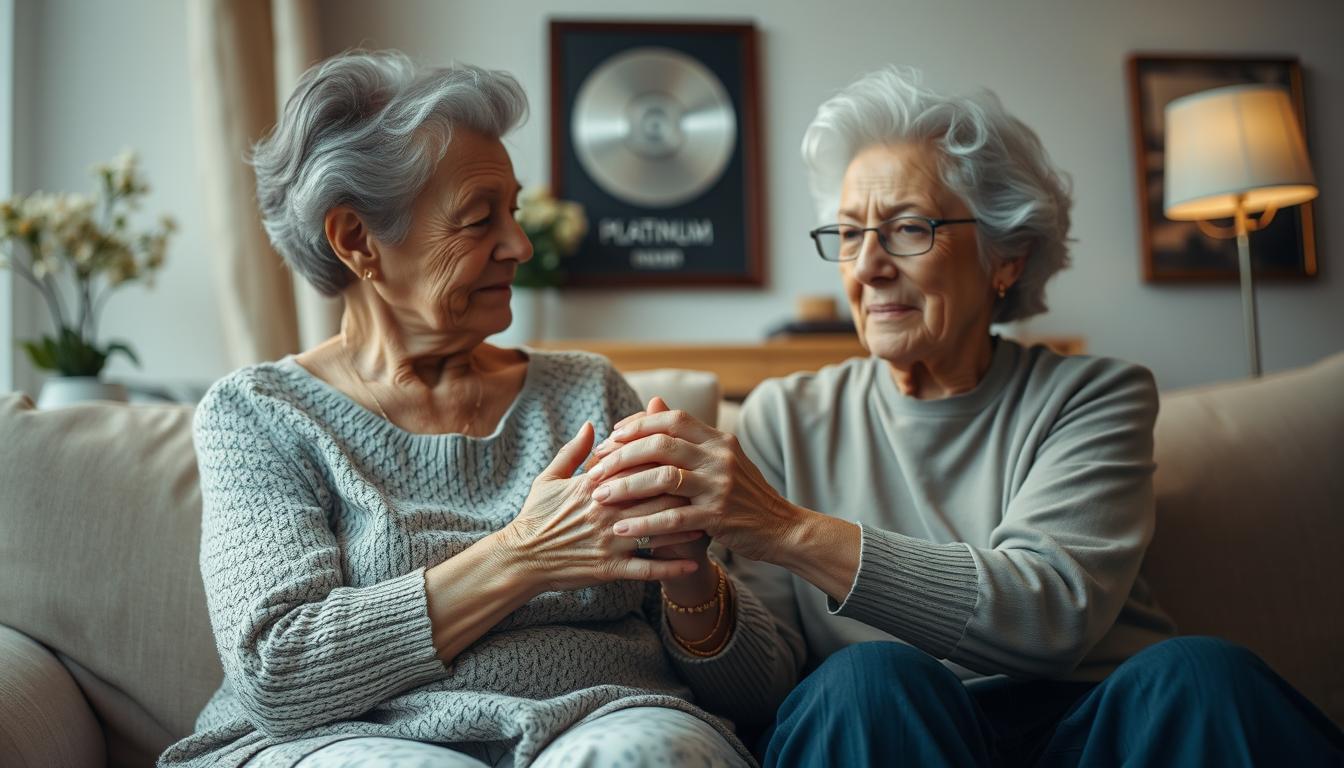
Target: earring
[(1003, 290), (368, 275)]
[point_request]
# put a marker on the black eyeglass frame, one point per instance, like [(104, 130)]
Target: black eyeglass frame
[(934, 224)]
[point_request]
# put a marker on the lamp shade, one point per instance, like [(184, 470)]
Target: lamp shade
[(1242, 140)]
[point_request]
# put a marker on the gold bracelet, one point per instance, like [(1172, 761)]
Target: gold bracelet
[(713, 651), (720, 595), (705, 606), (716, 650)]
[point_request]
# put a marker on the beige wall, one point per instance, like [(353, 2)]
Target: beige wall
[(6, 182), (92, 78), (109, 75)]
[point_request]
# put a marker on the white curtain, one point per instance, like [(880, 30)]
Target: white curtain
[(245, 57), (297, 47)]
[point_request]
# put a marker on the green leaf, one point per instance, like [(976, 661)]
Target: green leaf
[(119, 346), (40, 354), (50, 346), (76, 357)]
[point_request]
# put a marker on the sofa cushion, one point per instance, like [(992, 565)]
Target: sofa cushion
[(44, 719), (696, 392), (1250, 519), (100, 519)]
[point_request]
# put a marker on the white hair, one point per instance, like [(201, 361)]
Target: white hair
[(367, 129), (990, 159)]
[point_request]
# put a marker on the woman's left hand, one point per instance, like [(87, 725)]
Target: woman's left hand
[(728, 497)]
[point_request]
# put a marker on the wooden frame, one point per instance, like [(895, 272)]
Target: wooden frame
[(734, 204), (740, 367), (1176, 251)]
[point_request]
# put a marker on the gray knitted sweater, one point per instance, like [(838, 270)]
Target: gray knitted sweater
[(319, 521)]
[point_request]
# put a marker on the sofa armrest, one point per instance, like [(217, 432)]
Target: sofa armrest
[(44, 719)]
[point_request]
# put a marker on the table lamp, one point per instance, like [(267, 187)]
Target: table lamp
[(1232, 152)]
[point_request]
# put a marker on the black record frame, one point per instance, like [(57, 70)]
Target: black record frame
[(716, 238)]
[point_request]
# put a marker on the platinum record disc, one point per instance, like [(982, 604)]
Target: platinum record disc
[(653, 126)]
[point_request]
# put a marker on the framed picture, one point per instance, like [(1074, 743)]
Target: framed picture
[(655, 130), (1176, 251)]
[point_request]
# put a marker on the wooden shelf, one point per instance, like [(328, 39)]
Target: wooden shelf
[(740, 367)]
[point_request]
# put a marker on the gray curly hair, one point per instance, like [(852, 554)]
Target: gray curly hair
[(992, 160), (367, 129)]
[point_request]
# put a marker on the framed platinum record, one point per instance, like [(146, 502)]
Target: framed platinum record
[(655, 130)]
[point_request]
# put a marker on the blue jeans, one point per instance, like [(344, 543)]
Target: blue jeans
[(1187, 701)]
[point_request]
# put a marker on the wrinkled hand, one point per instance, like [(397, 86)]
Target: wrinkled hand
[(568, 538), (694, 588), (694, 550), (673, 454)]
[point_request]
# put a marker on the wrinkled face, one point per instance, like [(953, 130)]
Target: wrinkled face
[(453, 270), (912, 308)]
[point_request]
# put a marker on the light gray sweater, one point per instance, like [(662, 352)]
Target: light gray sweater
[(1003, 528), (320, 519)]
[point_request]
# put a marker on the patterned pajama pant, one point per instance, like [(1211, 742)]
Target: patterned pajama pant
[(627, 738)]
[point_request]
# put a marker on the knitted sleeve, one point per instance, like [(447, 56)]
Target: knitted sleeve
[(1059, 565), (298, 646)]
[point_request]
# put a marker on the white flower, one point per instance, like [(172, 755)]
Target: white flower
[(534, 193), (570, 226), (537, 208), (84, 253), (37, 207), (71, 219), (124, 181), (125, 160), (538, 214)]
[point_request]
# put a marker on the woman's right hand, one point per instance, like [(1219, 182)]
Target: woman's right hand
[(565, 538)]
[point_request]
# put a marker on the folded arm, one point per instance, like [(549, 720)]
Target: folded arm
[(298, 646)]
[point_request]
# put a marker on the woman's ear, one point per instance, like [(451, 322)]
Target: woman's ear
[(351, 241), (1008, 272)]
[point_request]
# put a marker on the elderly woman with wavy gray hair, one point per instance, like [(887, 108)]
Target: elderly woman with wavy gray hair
[(402, 564), (953, 526)]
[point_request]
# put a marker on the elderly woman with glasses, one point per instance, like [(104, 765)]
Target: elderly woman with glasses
[(955, 524), (402, 564)]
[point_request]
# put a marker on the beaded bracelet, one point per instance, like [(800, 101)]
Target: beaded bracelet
[(705, 606), (720, 597), (705, 653)]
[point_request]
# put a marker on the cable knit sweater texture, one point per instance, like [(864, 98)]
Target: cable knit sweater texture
[(320, 519)]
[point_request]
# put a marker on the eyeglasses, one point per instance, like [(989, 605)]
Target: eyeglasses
[(900, 236)]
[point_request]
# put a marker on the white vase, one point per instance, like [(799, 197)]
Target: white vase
[(529, 308), (60, 391)]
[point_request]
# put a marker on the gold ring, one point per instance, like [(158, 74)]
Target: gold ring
[(681, 478)]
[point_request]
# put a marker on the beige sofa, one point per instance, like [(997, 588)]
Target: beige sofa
[(105, 649)]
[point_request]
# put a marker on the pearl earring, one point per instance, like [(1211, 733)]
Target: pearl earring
[(368, 275)]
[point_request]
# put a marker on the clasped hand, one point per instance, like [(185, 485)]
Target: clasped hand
[(568, 537), (656, 454)]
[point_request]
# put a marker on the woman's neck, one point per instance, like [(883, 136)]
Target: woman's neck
[(394, 354), (940, 376)]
